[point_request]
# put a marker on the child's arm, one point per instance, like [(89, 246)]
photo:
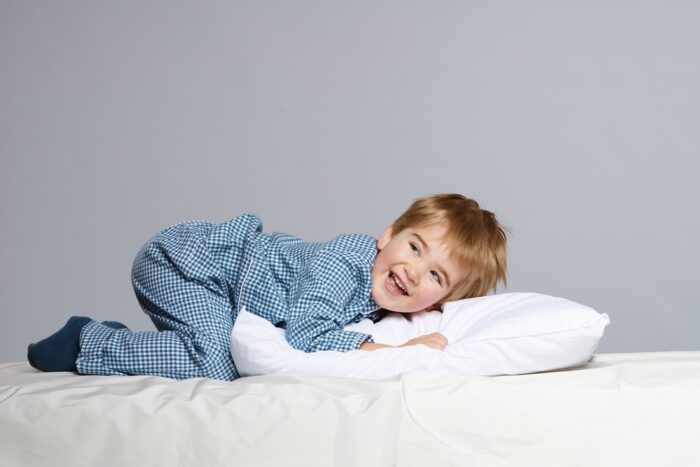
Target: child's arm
[(434, 340), (327, 295)]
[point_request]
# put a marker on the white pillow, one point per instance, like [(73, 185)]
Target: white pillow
[(510, 333)]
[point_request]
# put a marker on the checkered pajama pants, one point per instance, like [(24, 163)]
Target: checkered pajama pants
[(181, 286)]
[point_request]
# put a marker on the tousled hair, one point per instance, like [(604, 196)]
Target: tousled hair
[(475, 240)]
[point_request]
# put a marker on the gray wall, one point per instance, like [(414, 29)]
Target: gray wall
[(576, 122)]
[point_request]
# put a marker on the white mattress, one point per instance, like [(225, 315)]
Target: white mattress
[(619, 410)]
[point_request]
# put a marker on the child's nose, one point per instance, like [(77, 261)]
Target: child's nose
[(411, 274)]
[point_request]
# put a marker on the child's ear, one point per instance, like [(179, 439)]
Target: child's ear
[(385, 237)]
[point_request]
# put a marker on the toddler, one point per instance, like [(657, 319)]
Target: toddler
[(193, 278)]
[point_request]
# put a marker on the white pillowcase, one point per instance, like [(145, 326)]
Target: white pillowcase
[(510, 333)]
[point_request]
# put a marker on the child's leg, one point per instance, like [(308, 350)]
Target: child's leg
[(114, 324), (181, 287)]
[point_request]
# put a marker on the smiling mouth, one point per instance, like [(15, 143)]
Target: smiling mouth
[(394, 285)]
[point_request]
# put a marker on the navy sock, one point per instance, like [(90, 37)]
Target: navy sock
[(59, 351), (114, 325)]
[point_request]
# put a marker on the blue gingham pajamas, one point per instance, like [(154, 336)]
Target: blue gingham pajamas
[(192, 279)]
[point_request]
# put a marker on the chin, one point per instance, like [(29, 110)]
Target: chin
[(400, 309), (386, 306)]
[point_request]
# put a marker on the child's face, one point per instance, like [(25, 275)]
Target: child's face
[(412, 271)]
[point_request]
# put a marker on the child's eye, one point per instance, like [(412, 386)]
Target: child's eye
[(436, 276), (414, 247)]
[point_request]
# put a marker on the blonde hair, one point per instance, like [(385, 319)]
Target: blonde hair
[(475, 240)]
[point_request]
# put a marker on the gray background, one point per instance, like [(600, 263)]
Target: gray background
[(576, 122)]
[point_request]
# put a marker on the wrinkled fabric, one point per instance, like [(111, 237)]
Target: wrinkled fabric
[(620, 409)]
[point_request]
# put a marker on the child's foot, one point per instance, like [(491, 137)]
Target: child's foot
[(59, 351), (114, 325)]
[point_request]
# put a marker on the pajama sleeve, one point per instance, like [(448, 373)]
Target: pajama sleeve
[(319, 307)]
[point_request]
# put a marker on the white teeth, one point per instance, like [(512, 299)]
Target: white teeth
[(398, 282)]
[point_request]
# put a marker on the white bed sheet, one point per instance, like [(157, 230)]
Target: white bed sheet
[(620, 409)]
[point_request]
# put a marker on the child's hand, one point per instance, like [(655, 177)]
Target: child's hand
[(434, 340)]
